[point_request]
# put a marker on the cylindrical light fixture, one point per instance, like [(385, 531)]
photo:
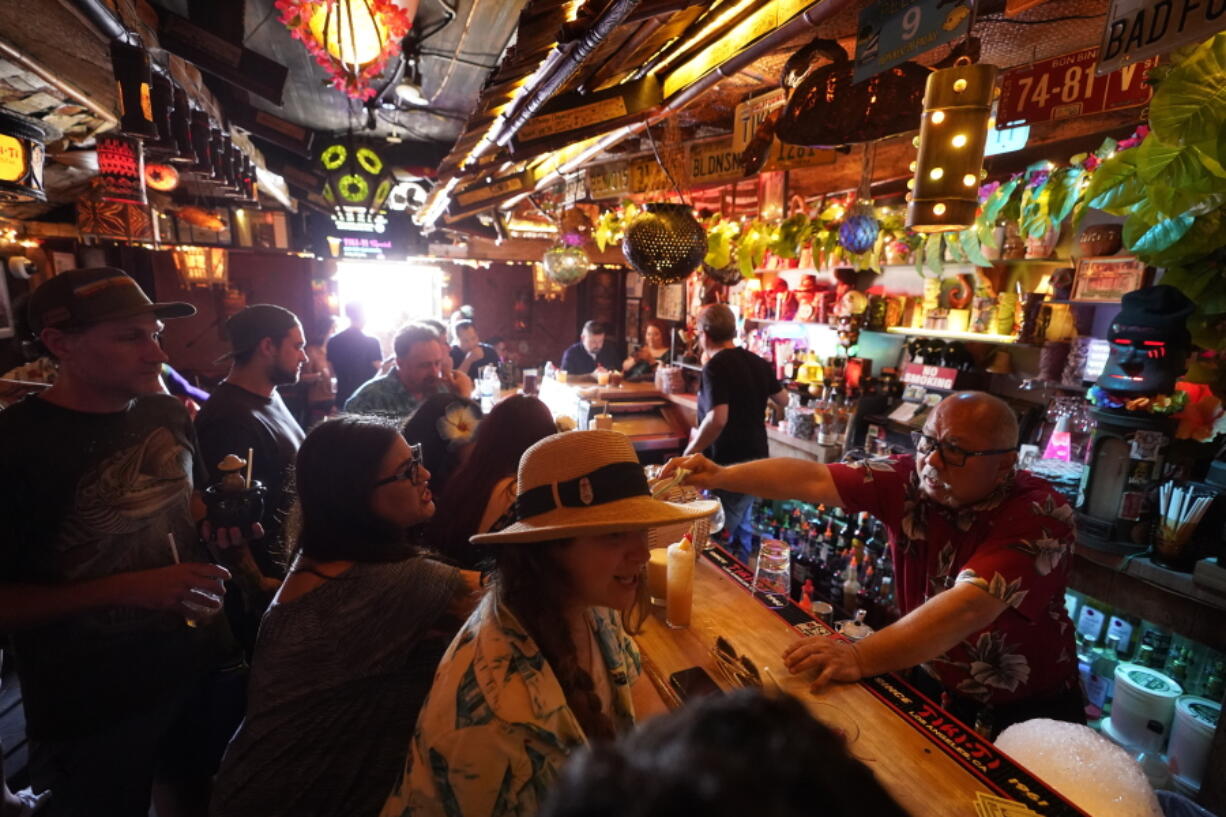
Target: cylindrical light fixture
[(202, 144), (219, 150), (181, 127), (21, 157), (163, 106), (134, 77), (121, 168), (953, 134)]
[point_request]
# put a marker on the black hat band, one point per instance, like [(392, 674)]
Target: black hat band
[(619, 480)]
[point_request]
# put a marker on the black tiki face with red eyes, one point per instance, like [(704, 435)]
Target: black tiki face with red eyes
[(1143, 360)]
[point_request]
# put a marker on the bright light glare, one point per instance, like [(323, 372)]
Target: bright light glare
[(392, 293)]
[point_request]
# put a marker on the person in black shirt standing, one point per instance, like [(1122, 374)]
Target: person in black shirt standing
[(590, 353), (354, 355), (736, 387), (113, 629), (246, 412)]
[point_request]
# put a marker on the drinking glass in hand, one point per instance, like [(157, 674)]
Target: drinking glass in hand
[(773, 575)]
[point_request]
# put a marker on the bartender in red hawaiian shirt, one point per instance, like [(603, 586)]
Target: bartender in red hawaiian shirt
[(981, 559)]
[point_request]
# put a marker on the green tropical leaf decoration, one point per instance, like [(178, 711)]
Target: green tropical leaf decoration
[(969, 241), (1190, 104), (1147, 231), (1115, 186)]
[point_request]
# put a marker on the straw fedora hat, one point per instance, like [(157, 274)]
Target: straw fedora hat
[(587, 483)]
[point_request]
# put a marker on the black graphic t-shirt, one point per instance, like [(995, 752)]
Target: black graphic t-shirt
[(84, 496)]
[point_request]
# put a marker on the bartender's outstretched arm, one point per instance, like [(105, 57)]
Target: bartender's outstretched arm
[(926, 632), (774, 478)]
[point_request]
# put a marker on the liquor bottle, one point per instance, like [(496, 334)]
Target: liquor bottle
[(851, 585)]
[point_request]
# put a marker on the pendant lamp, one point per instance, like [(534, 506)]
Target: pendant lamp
[(121, 168), (351, 39), (21, 157), (665, 243), (953, 134), (355, 174), (134, 77)]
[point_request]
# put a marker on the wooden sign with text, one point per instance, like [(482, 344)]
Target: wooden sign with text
[(572, 117)]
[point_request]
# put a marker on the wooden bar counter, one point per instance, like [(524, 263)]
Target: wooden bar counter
[(933, 771)]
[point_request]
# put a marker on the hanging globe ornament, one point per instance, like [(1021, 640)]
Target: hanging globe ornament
[(566, 264), (858, 232), (665, 243)]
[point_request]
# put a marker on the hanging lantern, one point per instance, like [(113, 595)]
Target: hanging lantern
[(202, 144), (163, 104), (201, 266), (665, 243), (566, 264), (351, 39), (21, 157), (161, 177), (134, 77), (219, 148), (953, 134), (181, 127), (356, 175), (121, 167)]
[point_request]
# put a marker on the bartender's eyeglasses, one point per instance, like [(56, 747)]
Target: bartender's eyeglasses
[(411, 470), (953, 456), (735, 668)]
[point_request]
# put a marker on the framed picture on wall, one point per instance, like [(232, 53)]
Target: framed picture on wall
[(670, 302), (1107, 278), (634, 285), (633, 308)]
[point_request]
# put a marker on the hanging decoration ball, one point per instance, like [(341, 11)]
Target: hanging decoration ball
[(858, 232), (161, 177), (566, 264), (665, 243), (351, 39)]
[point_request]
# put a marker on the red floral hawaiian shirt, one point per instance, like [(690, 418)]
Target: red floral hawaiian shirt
[(1015, 544)]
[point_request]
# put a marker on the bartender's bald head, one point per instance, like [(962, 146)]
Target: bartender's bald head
[(969, 448), (984, 413)]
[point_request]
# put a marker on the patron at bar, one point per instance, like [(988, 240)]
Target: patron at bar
[(417, 374), (980, 551), (590, 353)]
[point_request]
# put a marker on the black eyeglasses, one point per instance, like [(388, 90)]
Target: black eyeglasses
[(410, 470), (954, 456)]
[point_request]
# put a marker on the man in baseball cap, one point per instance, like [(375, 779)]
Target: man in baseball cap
[(105, 585)]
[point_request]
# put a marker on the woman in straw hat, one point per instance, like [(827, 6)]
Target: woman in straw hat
[(543, 665)]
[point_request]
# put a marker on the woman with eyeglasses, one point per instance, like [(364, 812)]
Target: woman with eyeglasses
[(347, 650), (543, 666), (981, 562)]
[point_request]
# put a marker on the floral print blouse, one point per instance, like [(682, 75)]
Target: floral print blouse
[(496, 729), (1015, 544)]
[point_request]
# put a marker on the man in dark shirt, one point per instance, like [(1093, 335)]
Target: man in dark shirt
[(354, 355), (736, 386), (112, 625), (470, 355), (590, 353), (245, 412)]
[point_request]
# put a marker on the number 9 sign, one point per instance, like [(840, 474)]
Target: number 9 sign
[(894, 31)]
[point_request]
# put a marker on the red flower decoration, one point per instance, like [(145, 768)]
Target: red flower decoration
[(354, 81)]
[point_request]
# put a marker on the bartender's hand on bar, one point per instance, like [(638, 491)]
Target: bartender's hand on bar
[(703, 472), (833, 659)]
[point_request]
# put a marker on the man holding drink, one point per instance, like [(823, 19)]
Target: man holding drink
[(100, 471)]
